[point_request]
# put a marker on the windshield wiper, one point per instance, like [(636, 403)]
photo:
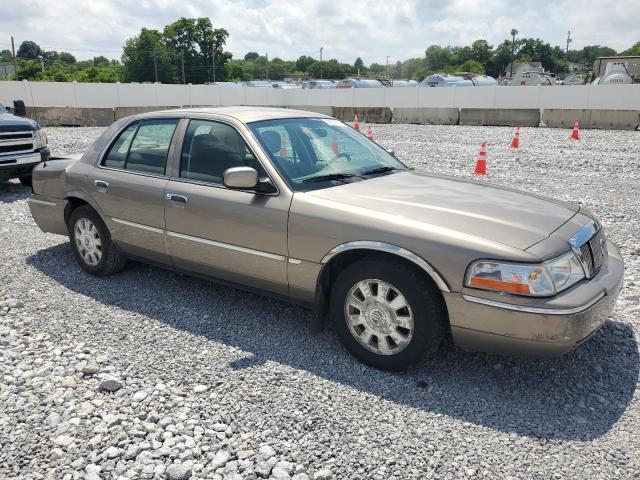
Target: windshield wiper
[(330, 176), (373, 171)]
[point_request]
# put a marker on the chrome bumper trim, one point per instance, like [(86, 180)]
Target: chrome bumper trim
[(538, 310), (20, 159)]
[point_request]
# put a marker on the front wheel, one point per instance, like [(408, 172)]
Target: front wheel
[(91, 243), (387, 313)]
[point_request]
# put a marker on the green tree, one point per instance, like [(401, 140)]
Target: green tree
[(303, 63), (5, 56), (195, 42), (251, 56), (29, 69), (145, 54), (29, 49), (66, 57), (634, 50), (437, 57)]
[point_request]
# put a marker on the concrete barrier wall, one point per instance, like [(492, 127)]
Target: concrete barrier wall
[(602, 119), (502, 117), (603, 106)]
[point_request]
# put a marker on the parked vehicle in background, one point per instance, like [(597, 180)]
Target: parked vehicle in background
[(404, 83), (616, 73), (286, 86), (461, 79), (313, 84), (258, 84), (23, 144), (360, 83), (621, 69), (573, 79), (302, 206), (532, 79)]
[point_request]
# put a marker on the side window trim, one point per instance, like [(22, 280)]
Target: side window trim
[(177, 161), (126, 158)]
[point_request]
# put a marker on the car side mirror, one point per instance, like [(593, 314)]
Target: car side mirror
[(240, 178), (391, 152)]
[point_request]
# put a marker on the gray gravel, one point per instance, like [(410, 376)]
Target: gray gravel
[(149, 374)]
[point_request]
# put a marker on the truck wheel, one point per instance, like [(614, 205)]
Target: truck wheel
[(27, 181), (92, 245), (387, 313)]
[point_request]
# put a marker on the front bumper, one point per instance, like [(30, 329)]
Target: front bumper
[(22, 163), (537, 327)]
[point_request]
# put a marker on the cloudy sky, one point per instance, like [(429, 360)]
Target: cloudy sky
[(371, 29)]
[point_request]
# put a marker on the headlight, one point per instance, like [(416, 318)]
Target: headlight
[(543, 279), (39, 138)]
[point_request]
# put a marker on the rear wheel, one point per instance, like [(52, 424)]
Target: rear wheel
[(91, 243), (387, 313)]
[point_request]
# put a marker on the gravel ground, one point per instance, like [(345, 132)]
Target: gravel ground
[(149, 374)]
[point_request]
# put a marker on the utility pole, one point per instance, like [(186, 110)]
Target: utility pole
[(569, 40), (514, 32), (184, 81), (386, 69), (213, 63), (321, 48), (155, 66), (15, 64)]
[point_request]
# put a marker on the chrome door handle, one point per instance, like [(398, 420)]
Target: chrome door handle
[(101, 185), (174, 197)]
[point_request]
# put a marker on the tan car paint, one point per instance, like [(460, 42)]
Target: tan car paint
[(281, 242)]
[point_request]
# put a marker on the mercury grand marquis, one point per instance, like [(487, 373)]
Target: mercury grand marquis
[(302, 206)]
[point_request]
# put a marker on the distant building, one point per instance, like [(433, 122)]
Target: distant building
[(7, 70), (576, 67)]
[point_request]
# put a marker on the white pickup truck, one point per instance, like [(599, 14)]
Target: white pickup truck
[(23, 144)]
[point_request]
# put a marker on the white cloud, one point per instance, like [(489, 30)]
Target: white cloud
[(371, 29)]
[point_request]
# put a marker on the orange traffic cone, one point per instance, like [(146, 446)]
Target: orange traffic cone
[(575, 135), (356, 123), (515, 143), (370, 133), (283, 146), (481, 162), (334, 144)]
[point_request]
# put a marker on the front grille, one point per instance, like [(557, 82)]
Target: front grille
[(16, 148), (15, 136), (593, 253)]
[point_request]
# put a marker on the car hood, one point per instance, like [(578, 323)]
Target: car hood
[(11, 123), (498, 214)]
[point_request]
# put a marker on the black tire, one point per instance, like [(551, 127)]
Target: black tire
[(111, 260), (27, 181), (423, 297)]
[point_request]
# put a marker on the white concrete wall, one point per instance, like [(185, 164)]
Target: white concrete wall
[(106, 95)]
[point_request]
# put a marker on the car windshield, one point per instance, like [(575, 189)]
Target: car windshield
[(2, 110), (315, 153)]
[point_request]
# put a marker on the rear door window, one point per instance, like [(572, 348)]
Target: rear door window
[(143, 146)]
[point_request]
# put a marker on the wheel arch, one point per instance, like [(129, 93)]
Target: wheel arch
[(75, 200), (345, 254)]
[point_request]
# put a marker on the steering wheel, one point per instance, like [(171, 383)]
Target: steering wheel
[(343, 155)]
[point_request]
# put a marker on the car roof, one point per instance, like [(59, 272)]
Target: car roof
[(245, 114)]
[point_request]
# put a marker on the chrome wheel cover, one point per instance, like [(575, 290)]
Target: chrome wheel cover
[(88, 241), (379, 317)]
